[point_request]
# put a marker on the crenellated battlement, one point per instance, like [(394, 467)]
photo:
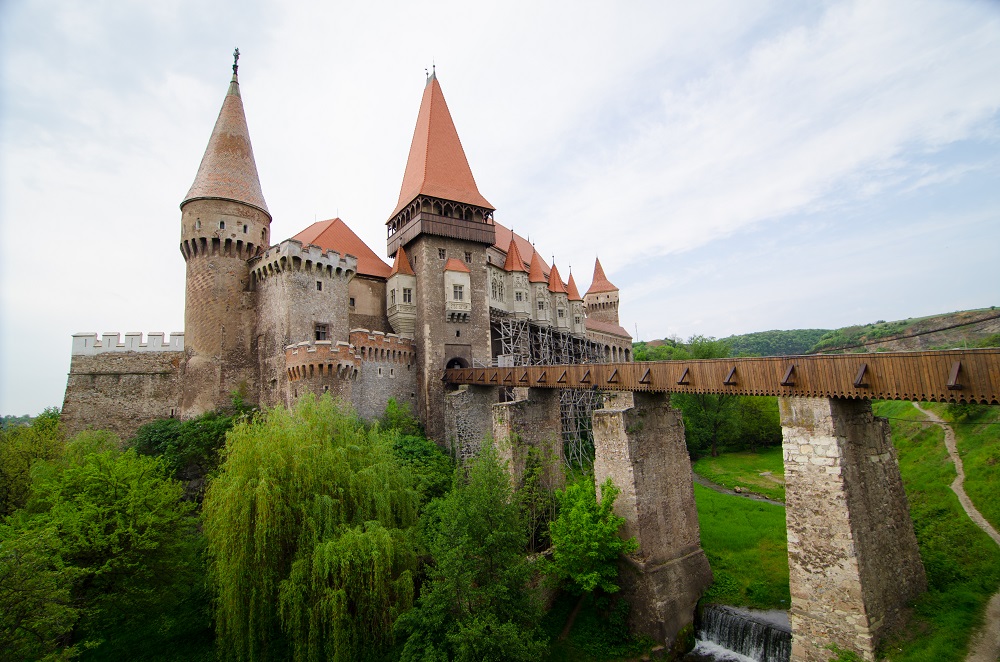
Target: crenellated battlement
[(88, 344), (291, 255), (382, 347), (321, 358)]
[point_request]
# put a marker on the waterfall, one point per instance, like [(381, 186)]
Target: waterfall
[(758, 636)]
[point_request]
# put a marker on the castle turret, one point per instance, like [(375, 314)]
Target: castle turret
[(539, 284), (224, 223), (443, 222), (517, 281), (578, 327), (601, 300), (400, 288), (559, 298)]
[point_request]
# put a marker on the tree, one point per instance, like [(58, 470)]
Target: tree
[(20, 448), (585, 540), (110, 528), (309, 536), (475, 604)]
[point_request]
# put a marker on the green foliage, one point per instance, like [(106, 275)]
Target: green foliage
[(399, 417), (585, 538), (189, 448), (743, 469), (841, 655), (474, 604), (431, 467), (989, 341), (110, 527), (309, 535), (962, 563), (775, 343), (746, 545), (537, 498), (21, 446), (600, 631)]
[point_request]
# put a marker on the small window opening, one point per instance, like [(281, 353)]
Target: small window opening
[(441, 253), (407, 295), (352, 302), (457, 292), (458, 333), (222, 225), (244, 228), (321, 331), (197, 224), (326, 387), (468, 257), (319, 286)]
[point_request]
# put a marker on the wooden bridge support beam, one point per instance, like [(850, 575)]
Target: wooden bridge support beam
[(533, 421), (641, 447), (852, 553)]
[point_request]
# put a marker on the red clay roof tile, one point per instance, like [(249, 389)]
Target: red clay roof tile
[(228, 170), (601, 282), (401, 265), (606, 327), (555, 282), (334, 235), (437, 165), (535, 274), (572, 291), (514, 261), (503, 238), (454, 264)]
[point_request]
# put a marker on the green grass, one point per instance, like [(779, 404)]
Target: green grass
[(962, 562), (743, 469), (977, 434), (746, 546)]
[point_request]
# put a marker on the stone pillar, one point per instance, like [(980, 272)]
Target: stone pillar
[(532, 422), (468, 416), (642, 449), (852, 554)]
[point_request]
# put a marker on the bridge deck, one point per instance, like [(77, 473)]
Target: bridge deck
[(969, 375)]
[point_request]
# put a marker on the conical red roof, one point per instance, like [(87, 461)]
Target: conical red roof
[(535, 274), (555, 282), (513, 261), (572, 291), (227, 170), (334, 235), (437, 165), (401, 265), (601, 282)]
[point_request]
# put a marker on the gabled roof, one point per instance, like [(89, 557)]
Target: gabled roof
[(535, 274), (437, 165), (601, 282), (514, 261), (454, 264), (574, 294), (334, 235), (555, 282), (401, 265), (228, 170)]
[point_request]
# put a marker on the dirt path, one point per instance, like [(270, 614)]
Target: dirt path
[(985, 644), (704, 482)]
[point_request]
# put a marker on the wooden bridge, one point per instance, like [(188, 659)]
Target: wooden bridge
[(970, 375)]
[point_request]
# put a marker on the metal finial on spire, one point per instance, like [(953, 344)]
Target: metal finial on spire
[(236, 60)]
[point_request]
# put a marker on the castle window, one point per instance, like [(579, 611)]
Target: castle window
[(321, 331), (352, 302), (468, 257), (518, 296), (458, 292), (458, 333), (392, 297), (541, 304), (441, 254), (562, 313), (244, 228), (222, 225), (407, 295), (197, 224), (576, 319), (319, 286)]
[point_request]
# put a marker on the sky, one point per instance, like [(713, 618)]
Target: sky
[(737, 165)]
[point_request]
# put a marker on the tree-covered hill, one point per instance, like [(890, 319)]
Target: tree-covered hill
[(775, 343)]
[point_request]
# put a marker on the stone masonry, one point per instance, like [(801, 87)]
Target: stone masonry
[(642, 449), (531, 422), (852, 553)]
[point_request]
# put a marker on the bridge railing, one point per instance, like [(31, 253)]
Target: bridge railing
[(967, 375)]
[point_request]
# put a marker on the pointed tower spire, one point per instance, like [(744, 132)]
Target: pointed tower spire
[(572, 291), (555, 282), (401, 265), (514, 262), (228, 170), (536, 274), (601, 282), (437, 165)]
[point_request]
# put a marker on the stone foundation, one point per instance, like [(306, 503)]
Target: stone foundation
[(531, 422), (468, 419), (852, 553), (642, 449)]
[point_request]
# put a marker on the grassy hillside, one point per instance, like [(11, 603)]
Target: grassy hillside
[(959, 329), (776, 343)]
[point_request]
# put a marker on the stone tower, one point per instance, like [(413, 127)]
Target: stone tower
[(445, 225), (224, 223), (601, 300)]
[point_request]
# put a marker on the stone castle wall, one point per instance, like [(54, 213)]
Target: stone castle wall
[(119, 386), (387, 370)]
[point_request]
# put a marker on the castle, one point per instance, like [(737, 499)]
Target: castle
[(321, 312)]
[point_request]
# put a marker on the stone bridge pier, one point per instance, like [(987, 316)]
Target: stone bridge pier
[(641, 447), (532, 421), (852, 553)]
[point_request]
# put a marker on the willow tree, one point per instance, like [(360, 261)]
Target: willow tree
[(309, 528)]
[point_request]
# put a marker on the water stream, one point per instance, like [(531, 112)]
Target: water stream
[(732, 634)]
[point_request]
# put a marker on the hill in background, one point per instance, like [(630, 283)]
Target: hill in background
[(965, 328)]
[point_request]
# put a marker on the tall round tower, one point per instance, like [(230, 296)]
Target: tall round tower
[(224, 223)]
